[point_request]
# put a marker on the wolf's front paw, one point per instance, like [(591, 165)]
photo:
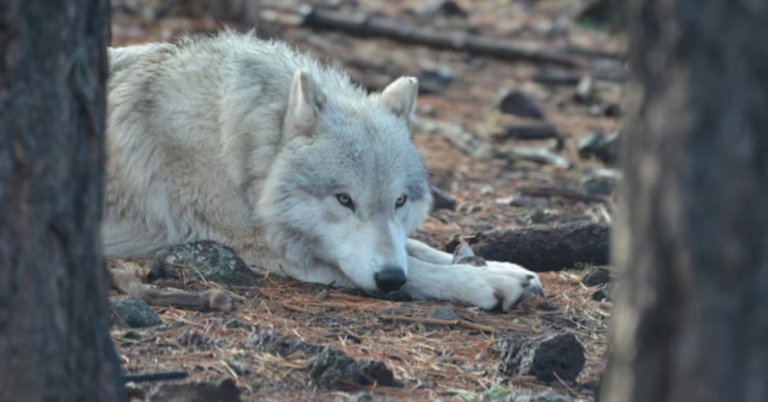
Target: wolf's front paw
[(502, 286)]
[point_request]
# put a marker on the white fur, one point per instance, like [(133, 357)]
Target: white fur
[(249, 143)]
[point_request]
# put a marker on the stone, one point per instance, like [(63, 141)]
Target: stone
[(207, 259), (133, 312)]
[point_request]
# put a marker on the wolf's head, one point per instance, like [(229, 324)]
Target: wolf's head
[(348, 184)]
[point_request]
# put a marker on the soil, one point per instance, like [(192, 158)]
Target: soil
[(428, 361)]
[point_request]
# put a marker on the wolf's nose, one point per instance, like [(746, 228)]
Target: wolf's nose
[(390, 279)]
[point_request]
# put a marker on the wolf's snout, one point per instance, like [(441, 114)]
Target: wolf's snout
[(390, 279)]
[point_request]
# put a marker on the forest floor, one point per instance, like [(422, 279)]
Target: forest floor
[(471, 148)]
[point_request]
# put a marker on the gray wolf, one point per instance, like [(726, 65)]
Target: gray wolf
[(265, 149)]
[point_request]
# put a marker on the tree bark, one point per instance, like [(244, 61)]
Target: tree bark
[(693, 238), (54, 340)]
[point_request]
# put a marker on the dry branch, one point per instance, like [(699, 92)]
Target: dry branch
[(543, 248), (365, 25)]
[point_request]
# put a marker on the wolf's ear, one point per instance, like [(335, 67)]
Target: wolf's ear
[(400, 97), (304, 105)]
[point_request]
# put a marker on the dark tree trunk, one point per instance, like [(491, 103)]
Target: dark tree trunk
[(691, 325), (54, 340)]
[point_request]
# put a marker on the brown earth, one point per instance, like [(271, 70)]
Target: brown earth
[(432, 362)]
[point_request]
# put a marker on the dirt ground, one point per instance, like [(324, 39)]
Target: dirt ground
[(460, 137)]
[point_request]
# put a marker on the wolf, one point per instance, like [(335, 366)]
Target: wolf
[(264, 148)]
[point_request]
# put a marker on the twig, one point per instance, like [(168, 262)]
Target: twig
[(457, 323), (568, 387), (298, 309), (166, 375)]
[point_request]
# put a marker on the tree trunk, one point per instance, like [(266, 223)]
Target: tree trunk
[(54, 340), (691, 325)]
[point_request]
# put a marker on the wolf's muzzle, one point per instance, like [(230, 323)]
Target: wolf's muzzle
[(390, 279)]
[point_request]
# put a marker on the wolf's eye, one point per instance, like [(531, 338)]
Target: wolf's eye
[(401, 201), (346, 201)]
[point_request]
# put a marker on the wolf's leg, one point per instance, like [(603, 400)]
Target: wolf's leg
[(496, 286), (426, 253), (125, 280)]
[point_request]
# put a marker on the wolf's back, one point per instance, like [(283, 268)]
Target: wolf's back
[(224, 63)]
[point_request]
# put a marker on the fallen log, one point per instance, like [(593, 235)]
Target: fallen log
[(548, 357), (543, 248), (366, 25)]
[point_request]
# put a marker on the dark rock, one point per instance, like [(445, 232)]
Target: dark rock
[(330, 368), (518, 104), (237, 324), (598, 13), (213, 261), (613, 110), (585, 90), (224, 390), (523, 201), (441, 75), (442, 200), (604, 293), (447, 8), (600, 146), (531, 132), (444, 313), (599, 185), (592, 385), (546, 396), (362, 397), (194, 340), (541, 356), (133, 312), (596, 276)]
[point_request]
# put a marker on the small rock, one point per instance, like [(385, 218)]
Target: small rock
[(598, 13), (224, 390), (442, 75), (444, 313), (237, 324), (213, 261), (362, 397), (601, 146), (133, 312), (585, 90), (592, 385), (447, 8), (518, 104), (546, 396), (613, 110), (596, 276), (605, 293), (599, 185), (132, 335), (442, 200), (524, 201)]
